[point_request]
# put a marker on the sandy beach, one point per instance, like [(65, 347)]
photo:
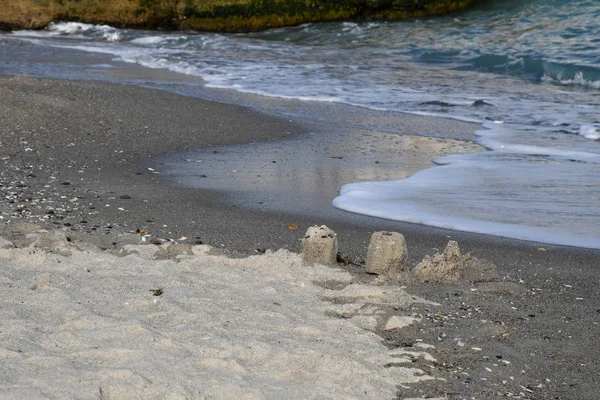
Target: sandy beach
[(88, 219)]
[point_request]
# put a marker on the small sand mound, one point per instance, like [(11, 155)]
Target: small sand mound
[(451, 266)]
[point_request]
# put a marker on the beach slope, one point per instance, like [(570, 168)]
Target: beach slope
[(87, 308)]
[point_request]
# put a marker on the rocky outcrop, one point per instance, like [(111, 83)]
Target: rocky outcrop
[(212, 15)]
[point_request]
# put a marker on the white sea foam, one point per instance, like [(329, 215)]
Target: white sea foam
[(74, 30), (112, 36), (439, 115), (157, 40), (529, 188), (577, 80), (221, 84), (589, 132), (150, 40), (75, 27), (497, 137), (70, 28), (480, 193)]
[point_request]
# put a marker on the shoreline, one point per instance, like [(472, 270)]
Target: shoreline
[(52, 130), (126, 154)]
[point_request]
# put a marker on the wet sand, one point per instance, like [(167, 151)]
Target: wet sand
[(76, 156)]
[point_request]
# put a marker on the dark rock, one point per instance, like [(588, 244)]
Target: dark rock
[(480, 103), (438, 103)]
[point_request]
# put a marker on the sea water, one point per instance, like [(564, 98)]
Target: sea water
[(527, 71)]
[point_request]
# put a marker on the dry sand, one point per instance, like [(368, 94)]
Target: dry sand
[(179, 323)]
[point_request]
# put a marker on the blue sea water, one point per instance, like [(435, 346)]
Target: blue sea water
[(527, 71)]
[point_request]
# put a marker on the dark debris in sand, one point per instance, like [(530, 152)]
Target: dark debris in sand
[(77, 155), (524, 337)]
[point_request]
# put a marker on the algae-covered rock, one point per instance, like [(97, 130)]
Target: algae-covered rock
[(212, 15)]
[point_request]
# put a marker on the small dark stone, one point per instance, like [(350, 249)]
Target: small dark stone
[(69, 239), (202, 176), (67, 224), (437, 103), (479, 103), (125, 197), (66, 183), (83, 222), (156, 292)]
